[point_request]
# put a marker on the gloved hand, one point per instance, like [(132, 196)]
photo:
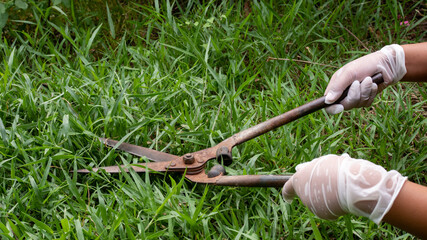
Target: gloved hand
[(332, 185), (390, 61)]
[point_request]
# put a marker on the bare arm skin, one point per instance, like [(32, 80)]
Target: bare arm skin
[(409, 210), (415, 62)]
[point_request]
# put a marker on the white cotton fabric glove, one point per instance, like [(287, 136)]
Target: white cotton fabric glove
[(332, 185), (390, 61)]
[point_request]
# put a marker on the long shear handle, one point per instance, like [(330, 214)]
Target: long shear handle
[(254, 180), (291, 115), (242, 180)]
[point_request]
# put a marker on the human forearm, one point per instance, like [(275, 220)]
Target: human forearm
[(333, 185), (395, 62), (416, 62), (409, 210)]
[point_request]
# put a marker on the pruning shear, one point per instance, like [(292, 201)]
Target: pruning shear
[(193, 164)]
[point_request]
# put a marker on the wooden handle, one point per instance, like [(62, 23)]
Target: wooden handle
[(289, 116)]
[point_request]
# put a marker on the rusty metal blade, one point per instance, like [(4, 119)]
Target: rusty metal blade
[(139, 167), (139, 151)]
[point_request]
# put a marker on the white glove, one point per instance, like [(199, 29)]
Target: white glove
[(333, 185), (390, 61)]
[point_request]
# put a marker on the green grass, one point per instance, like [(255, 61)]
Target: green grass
[(179, 77)]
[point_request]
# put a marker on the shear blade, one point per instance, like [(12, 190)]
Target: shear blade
[(139, 151), (112, 169), (138, 167)]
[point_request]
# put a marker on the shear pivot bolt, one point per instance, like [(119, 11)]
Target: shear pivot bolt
[(188, 158)]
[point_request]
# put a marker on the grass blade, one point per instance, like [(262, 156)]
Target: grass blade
[(110, 22)]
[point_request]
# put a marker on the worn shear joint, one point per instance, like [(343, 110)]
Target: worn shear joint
[(223, 155)]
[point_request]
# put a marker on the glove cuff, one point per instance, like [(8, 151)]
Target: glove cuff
[(387, 197), (366, 189), (394, 62)]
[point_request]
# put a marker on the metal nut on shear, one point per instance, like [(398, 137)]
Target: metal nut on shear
[(188, 158)]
